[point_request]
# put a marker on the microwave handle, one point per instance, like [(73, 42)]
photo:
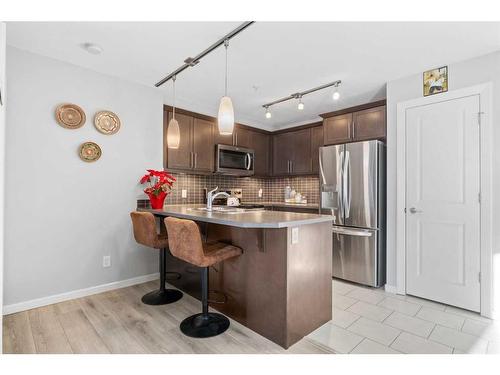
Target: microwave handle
[(248, 161)]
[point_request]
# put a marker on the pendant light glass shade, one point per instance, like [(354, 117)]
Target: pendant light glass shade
[(226, 116), (173, 131), (173, 134)]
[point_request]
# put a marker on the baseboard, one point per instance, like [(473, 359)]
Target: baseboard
[(44, 301), (391, 289)]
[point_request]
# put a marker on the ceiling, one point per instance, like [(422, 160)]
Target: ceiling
[(267, 61)]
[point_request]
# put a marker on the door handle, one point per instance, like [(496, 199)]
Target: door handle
[(248, 161), (413, 210), (352, 232)]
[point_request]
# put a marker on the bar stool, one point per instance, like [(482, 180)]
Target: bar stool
[(144, 224), (186, 244)]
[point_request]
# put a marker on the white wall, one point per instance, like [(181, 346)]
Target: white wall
[(464, 74), (2, 159), (62, 214)]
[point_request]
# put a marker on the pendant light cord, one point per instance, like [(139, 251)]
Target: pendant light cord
[(226, 44), (173, 112)]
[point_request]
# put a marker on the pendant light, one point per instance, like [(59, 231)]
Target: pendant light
[(173, 131), (226, 112)]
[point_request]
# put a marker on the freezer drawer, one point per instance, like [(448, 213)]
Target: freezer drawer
[(356, 256)]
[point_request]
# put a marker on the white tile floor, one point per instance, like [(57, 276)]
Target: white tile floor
[(372, 321)]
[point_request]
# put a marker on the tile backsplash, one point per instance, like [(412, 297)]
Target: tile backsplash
[(272, 187)]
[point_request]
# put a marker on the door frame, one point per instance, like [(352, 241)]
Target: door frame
[(484, 91)]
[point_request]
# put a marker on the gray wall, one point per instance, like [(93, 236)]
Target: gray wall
[(62, 214), (2, 159), (464, 74)]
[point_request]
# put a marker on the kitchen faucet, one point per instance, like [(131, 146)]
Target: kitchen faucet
[(211, 196)]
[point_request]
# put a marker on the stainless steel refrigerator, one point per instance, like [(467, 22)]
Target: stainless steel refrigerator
[(352, 190)]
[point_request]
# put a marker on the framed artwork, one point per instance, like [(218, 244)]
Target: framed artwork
[(436, 81)]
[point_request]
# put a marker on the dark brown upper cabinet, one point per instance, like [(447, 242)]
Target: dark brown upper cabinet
[(292, 153), (261, 144), (361, 123), (316, 143), (179, 158), (241, 137), (369, 124), (196, 149), (338, 129), (203, 145)]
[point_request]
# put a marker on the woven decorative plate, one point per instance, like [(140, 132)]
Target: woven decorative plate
[(107, 122), (90, 151), (70, 116)]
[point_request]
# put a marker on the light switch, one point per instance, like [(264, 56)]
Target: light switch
[(184, 193), (295, 235)]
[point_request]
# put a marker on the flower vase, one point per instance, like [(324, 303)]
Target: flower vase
[(157, 200)]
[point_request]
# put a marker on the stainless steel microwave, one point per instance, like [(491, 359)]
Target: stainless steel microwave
[(235, 161)]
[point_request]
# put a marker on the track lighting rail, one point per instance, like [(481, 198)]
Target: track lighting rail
[(299, 95), (192, 61)]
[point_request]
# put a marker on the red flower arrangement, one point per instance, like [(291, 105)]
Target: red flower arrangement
[(160, 184)]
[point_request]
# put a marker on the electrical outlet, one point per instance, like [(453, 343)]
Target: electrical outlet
[(106, 261), (295, 235), (260, 193), (184, 193)]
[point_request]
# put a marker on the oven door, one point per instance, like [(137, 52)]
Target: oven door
[(236, 161)]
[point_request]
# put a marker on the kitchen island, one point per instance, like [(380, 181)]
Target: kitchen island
[(281, 286)]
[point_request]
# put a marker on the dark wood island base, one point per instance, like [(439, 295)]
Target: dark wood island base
[(279, 289)]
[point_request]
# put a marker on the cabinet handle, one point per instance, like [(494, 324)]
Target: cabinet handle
[(353, 127), (236, 135), (291, 166), (195, 159)]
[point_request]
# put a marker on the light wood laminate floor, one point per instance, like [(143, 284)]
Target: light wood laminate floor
[(117, 322)]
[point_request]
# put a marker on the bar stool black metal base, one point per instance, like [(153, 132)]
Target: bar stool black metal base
[(162, 297), (204, 325)]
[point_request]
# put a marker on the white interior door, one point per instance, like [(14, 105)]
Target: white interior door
[(443, 202)]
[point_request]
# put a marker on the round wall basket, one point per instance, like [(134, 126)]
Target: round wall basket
[(107, 122), (89, 152), (70, 116)]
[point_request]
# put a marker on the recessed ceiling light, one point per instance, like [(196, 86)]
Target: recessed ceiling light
[(92, 48)]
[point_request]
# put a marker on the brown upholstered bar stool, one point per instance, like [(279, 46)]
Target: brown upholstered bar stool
[(144, 224), (185, 243)]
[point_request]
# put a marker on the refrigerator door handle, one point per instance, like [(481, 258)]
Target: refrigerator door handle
[(352, 232), (346, 186)]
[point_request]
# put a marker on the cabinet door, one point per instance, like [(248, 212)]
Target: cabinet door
[(261, 146), (282, 153), (181, 157), (203, 145), (301, 157), (316, 143), (243, 137), (337, 129), (369, 124), (223, 139)]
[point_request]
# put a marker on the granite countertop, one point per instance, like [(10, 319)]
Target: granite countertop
[(283, 204), (248, 219)]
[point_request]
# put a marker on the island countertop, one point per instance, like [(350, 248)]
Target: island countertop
[(248, 219)]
